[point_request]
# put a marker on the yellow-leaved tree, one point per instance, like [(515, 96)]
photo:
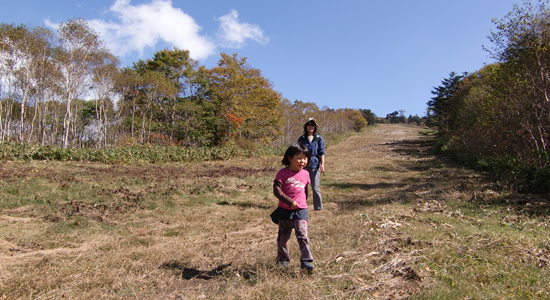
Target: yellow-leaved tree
[(246, 103)]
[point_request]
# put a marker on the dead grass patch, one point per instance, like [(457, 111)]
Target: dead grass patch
[(397, 223)]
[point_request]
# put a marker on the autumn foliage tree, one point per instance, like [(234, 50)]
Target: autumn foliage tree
[(62, 87), (501, 113), (246, 103), (522, 45)]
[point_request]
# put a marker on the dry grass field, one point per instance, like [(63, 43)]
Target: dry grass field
[(398, 223)]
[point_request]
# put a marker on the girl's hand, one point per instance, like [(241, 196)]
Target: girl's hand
[(294, 205)]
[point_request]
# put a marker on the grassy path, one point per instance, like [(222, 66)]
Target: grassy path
[(398, 223)]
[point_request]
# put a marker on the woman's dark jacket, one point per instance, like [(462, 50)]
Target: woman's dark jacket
[(316, 148)]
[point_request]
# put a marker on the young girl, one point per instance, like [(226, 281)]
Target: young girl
[(290, 187)]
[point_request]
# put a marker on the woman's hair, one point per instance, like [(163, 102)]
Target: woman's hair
[(306, 133), (293, 150)]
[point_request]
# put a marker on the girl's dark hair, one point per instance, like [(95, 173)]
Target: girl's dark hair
[(314, 131), (293, 150)]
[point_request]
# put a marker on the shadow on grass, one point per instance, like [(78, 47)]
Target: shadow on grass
[(424, 157), (446, 175), (222, 270), (352, 202), (424, 161), (366, 187), (190, 273), (416, 148), (443, 180), (245, 204), (358, 203), (523, 205)]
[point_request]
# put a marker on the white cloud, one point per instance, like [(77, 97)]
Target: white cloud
[(144, 25), (141, 26), (47, 22), (234, 34)]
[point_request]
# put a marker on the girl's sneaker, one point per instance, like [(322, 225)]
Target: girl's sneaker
[(283, 264), (306, 265)]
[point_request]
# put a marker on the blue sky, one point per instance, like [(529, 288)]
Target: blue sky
[(380, 55)]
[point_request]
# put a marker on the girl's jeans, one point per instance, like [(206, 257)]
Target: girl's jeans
[(300, 229)]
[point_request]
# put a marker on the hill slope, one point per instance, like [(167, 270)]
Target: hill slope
[(398, 222)]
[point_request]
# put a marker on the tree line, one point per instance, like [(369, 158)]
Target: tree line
[(499, 116), (64, 88)]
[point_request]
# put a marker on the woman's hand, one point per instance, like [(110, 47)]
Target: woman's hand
[(294, 205)]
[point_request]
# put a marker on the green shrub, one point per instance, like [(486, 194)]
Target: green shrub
[(508, 169), (132, 154)]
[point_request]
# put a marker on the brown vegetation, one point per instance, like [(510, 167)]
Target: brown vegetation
[(398, 223)]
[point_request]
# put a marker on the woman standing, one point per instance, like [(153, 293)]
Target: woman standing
[(316, 146)]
